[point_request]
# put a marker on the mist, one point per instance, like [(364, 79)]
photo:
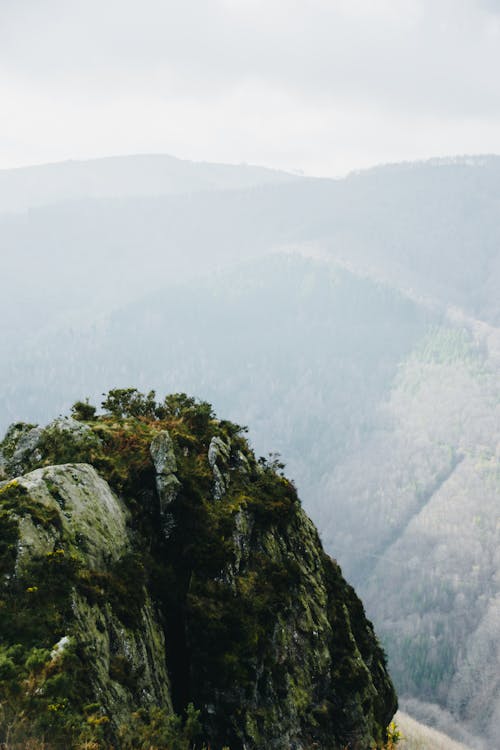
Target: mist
[(289, 211)]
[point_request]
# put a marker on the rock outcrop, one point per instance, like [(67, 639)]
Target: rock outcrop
[(163, 455), (237, 609)]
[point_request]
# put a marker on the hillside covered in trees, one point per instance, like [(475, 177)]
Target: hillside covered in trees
[(353, 325)]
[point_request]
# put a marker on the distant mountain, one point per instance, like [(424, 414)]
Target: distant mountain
[(430, 229), (123, 176), (355, 324)]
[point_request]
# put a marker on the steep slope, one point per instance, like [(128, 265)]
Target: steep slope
[(437, 532), (386, 413), (392, 223), (296, 348), (62, 617), (200, 563), (386, 402), (378, 383), (417, 736)]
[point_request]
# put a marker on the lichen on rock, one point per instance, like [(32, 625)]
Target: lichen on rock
[(19, 449), (163, 455), (72, 555), (163, 565), (219, 453)]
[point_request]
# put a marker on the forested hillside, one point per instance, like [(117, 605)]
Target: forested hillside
[(354, 325), (118, 177), (416, 736)]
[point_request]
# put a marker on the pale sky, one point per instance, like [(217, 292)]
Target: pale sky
[(321, 86)]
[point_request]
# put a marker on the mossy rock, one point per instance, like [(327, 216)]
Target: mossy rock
[(217, 594)]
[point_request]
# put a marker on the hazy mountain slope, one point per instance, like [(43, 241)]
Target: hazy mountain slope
[(441, 573), (385, 406), (84, 258), (429, 494), (120, 176), (386, 412), (286, 344), (431, 228), (418, 736), (443, 407)]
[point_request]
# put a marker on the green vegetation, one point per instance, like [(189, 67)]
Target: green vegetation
[(158, 730), (260, 630), (43, 688), (385, 407), (417, 736), (83, 411)]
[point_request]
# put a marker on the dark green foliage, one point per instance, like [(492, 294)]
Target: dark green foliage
[(9, 534), (123, 587), (41, 693), (273, 498), (37, 601), (239, 584), (229, 629), (123, 457), (124, 403), (157, 730), (16, 499), (196, 414), (60, 446), (128, 402), (82, 411)]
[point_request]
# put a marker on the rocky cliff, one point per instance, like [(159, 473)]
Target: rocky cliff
[(149, 561)]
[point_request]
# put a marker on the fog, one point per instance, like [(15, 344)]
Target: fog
[(352, 324), (314, 261), (324, 87)]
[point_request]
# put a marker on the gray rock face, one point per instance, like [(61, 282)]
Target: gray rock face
[(23, 446), (162, 453), (20, 449), (87, 509), (167, 484), (220, 595), (320, 650), (218, 458), (71, 510)]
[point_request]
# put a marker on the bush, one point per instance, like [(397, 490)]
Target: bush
[(128, 402), (157, 730), (83, 411)]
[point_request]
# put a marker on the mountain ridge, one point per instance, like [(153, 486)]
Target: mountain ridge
[(133, 175), (370, 380)]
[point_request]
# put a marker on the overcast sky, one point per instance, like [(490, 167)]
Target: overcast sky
[(322, 86)]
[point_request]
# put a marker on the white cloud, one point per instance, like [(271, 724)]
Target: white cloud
[(318, 85)]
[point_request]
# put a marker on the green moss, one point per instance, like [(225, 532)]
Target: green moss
[(121, 670), (15, 432), (273, 499), (14, 497), (64, 446), (261, 630), (156, 729), (122, 587), (9, 538), (41, 691)]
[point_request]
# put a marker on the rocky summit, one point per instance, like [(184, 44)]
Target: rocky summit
[(161, 587)]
